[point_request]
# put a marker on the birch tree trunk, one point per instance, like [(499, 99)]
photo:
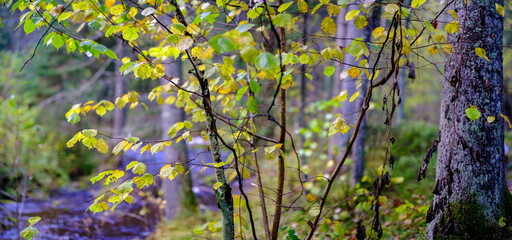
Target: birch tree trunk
[(470, 192), (178, 194)]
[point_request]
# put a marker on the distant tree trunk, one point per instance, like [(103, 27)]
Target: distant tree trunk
[(470, 192), (119, 88), (303, 94), (178, 194), (349, 111), (335, 140), (358, 148), (402, 79)]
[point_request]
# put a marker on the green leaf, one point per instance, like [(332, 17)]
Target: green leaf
[(429, 26), (89, 132), (73, 118), (255, 86), (131, 34), (352, 14), (90, 142), (139, 168), (132, 139), (252, 105), (29, 26), (249, 54), (148, 179), (328, 71), (244, 27), (34, 220), (360, 22), (94, 24), (131, 164), (282, 20), (200, 229), (240, 93), (179, 168), (222, 44), (472, 113), (29, 233), (57, 41), (266, 61), (254, 13), (328, 26)]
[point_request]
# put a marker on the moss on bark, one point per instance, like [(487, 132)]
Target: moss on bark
[(466, 220)]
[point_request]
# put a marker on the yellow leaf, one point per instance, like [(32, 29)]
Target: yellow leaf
[(354, 96), (433, 49), (117, 10), (500, 9), (506, 119), (328, 26), (109, 3), (179, 168), (452, 27), (360, 22), (354, 72), (311, 197), (454, 14), (343, 96), (351, 15), (303, 6), (377, 32), (102, 146), (406, 47), (417, 3), (447, 48), (481, 53), (491, 119)]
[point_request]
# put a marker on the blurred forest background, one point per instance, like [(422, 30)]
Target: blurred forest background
[(37, 168)]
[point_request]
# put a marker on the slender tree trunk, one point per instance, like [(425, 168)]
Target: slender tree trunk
[(223, 192), (470, 192), (178, 193)]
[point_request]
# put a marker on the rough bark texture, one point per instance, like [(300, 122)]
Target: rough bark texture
[(470, 193), (178, 193)]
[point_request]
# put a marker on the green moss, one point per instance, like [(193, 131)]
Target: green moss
[(466, 220)]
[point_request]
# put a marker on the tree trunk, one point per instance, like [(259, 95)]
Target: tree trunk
[(358, 149), (335, 140), (178, 194), (470, 193), (119, 86)]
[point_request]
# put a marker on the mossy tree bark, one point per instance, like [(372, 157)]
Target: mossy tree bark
[(471, 195), (178, 194)]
